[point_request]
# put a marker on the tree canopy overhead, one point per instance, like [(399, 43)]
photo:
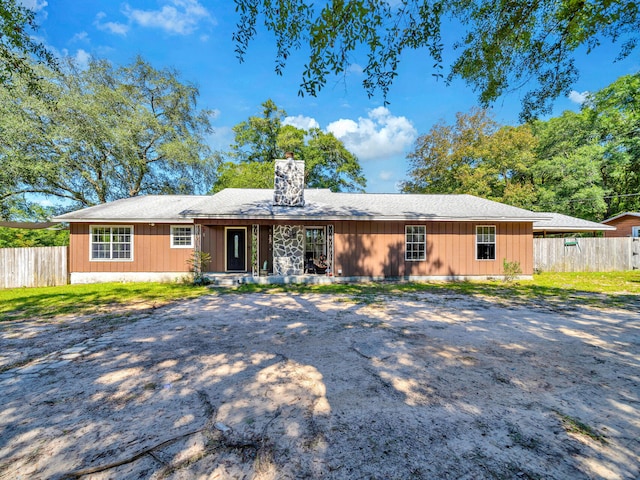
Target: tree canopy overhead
[(502, 45), (103, 133), (17, 46)]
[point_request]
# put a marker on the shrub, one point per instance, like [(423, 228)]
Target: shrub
[(511, 270)]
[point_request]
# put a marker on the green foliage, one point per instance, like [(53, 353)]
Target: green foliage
[(259, 140), (21, 237), (584, 164), (615, 112), (244, 175), (511, 270), (17, 46), (198, 264), (474, 156), (501, 46), (103, 133)]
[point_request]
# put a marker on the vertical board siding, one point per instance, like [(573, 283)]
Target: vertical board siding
[(33, 267), (624, 226), (152, 251), (589, 255), (378, 249)]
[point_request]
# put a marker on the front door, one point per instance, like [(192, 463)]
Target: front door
[(236, 249)]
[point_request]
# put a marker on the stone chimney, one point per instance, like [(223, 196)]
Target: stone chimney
[(289, 182)]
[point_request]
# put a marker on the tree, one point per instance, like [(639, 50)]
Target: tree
[(444, 160), (103, 133), (506, 43), (256, 138), (475, 156), (22, 237), (615, 113), (567, 168), (17, 46), (260, 140)]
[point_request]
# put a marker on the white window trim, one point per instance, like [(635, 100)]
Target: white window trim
[(172, 236), (495, 244), (635, 231), (405, 244), (91, 259)]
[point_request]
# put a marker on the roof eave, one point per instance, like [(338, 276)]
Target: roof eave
[(572, 229), (123, 220), (380, 218)]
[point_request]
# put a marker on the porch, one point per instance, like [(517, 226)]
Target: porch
[(233, 279)]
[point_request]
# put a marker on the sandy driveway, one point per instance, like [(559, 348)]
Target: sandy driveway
[(261, 386)]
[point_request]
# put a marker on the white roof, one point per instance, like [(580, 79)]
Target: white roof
[(558, 222), (320, 204), (147, 208)]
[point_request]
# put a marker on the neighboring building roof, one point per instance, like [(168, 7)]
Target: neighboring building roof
[(320, 204), (625, 214), (29, 225), (558, 223)]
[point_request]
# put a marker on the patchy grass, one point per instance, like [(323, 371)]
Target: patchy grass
[(612, 289), (24, 303), (573, 425), (608, 289)]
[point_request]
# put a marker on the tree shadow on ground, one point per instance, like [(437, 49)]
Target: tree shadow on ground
[(410, 385)]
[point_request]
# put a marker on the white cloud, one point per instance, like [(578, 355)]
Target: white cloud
[(179, 16), (81, 59), (380, 135), (34, 5), (80, 37), (111, 27), (302, 122), (577, 97), (385, 175), (221, 138), (355, 68)]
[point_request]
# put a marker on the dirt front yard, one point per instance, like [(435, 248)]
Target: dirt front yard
[(275, 386)]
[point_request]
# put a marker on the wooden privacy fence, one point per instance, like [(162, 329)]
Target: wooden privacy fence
[(33, 267), (586, 254)]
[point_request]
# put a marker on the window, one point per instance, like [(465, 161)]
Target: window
[(111, 243), (181, 236), (415, 243), (315, 244), (485, 242), (635, 231)]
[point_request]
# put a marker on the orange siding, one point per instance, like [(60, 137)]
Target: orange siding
[(378, 248), (624, 226), (360, 248), (152, 251)]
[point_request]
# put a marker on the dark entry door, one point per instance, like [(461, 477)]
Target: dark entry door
[(236, 249)]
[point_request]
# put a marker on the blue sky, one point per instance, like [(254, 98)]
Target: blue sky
[(195, 38)]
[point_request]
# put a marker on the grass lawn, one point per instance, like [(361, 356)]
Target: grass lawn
[(611, 289), (25, 303)]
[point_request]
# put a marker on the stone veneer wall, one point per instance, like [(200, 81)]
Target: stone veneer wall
[(289, 183), (288, 249)]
